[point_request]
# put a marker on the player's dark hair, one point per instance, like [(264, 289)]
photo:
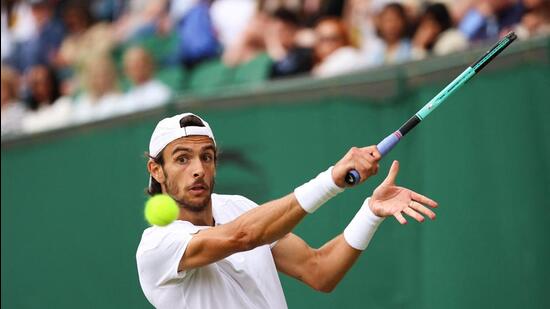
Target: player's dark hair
[(155, 188), (187, 121)]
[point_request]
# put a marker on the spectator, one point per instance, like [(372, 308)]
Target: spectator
[(41, 88), (535, 21), (7, 44), (393, 45), (333, 52), (107, 10), (13, 110), (140, 19), (312, 11), (288, 59), (230, 19), (488, 18), (84, 40), (18, 25), (198, 40), (41, 47), (435, 34), (48, 108), (100, 98), (359, 18), (250, 44), (145, 92)]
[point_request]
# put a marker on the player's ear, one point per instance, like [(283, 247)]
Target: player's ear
[(156, 171)]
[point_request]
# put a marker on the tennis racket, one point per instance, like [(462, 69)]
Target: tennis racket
[(391, 140)]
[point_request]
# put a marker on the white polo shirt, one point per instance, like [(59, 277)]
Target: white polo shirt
[(243, 280)]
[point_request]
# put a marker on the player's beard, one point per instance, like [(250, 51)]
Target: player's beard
[(199, 205), (174, 190), (187, 203)]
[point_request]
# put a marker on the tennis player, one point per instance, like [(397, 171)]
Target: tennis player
[(224, 251)]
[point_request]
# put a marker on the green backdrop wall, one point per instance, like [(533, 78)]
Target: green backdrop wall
[(72, 201)]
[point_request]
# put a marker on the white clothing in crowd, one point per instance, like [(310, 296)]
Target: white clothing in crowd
[(341, 61), (48, 117), (150, 94), (230, 18), (87, 108), (12, 115)]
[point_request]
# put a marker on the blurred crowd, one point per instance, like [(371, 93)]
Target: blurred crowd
[(58, 66)]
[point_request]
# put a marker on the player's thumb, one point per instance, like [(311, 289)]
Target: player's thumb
[(392, 174)]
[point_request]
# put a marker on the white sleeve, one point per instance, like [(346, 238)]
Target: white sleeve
[(159, 257), (245, 204)]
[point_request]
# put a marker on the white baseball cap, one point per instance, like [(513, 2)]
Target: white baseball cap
[(170, 129)]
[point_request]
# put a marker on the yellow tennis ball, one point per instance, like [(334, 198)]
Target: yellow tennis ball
[(161, 210)]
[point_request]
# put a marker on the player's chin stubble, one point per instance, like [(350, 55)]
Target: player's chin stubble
[(187, 204)]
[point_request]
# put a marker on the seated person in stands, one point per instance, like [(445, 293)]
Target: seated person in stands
[(288, 58), (198, 40), (333, 51), (140, 19), (49, 109), (435, 33), (392, 45), (12, 108), (536, 20), (85, 39), (145, 91), (488, 18), (40, 40), (249, 45), (100, 98)]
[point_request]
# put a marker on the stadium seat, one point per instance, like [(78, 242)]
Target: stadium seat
[(253, 72), (210, 75)]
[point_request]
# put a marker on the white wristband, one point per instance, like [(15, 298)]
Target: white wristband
[(317, 191), (360, 230)]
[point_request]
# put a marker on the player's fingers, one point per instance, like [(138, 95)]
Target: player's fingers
[(392, 174), (370, 153), (374, 153), (366, 168), (423, 210), (423, 200), (413, 214), (364, 162), (399, 217)]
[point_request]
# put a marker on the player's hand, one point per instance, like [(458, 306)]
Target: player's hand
[(364, 160), (391, 200)]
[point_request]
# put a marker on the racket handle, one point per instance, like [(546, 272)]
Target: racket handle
[(383, 147), (388, 143)]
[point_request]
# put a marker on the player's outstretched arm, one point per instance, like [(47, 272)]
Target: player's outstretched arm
[(323, 268), (271, 221)]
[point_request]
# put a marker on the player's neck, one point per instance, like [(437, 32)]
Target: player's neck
[(199, 218)]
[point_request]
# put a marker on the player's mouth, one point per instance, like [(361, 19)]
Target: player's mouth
[(198, 189)]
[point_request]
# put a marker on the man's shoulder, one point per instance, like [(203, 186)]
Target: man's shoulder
[(231, 204), (222, 199), (153, 235)]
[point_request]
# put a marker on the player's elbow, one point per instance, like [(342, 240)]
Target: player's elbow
[(316, 277)]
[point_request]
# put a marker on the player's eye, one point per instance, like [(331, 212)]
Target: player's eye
[(182, 159), (207, 157)]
